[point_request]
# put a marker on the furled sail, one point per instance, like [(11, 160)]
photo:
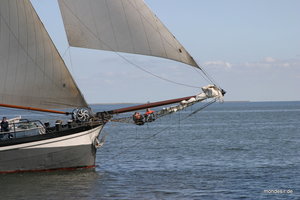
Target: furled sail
[(32, 73), (120, 25)]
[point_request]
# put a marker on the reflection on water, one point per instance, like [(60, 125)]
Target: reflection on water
[(49, 185)]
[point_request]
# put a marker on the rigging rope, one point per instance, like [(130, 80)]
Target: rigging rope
[(159, 114), (163, 130), (160, 77), (201, 108), (63, 55), (207, 77)]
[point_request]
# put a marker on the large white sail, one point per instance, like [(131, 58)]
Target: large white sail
[(32, 73), (120, 25)]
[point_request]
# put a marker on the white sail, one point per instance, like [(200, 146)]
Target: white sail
[(120, 25), (32, 73)]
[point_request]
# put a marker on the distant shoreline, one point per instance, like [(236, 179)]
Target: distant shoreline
[(224, 102)]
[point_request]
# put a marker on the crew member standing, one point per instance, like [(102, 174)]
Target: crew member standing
[(4, 125)]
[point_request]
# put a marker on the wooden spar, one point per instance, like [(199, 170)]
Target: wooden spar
[(34, 109), (148, 105)]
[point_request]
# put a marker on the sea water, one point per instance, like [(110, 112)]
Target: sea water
[(234, 150)]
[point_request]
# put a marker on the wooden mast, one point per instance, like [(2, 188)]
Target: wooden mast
[(112, 112), (34, 109), (148, 105)]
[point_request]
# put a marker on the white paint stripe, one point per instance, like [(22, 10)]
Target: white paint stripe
[(81, 138)]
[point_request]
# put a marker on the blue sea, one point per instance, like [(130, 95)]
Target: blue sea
[(234, 150)]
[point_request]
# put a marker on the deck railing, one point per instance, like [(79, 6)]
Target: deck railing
[(22, 128)]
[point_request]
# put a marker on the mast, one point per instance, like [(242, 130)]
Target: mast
[(149, 105), (34, 109)]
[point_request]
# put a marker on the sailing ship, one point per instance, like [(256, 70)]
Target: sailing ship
[(34, 77)]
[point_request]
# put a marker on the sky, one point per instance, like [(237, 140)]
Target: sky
[(251, 48)]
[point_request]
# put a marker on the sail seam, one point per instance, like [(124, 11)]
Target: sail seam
[(129, 30), (112, 28), (0, 43), (9, 48), (18, 54), (35, 38), (153, 15), (89, 2), (144, 30), (157, 30), (154, 28), (27, 44)]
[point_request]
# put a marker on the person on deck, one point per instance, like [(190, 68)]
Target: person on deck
[(148, 111), (4, 125), (149, 115), (138, 118)]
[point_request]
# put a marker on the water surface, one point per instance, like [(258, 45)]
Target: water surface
[(227, 151)]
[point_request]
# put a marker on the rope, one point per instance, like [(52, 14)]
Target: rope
[(160, 77), (161, 131), (63, 55), (206, 76), (201, 108)]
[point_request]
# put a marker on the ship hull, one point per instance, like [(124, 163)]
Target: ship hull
[(69, 151)]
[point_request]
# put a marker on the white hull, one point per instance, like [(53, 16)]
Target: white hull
[(60, 152)]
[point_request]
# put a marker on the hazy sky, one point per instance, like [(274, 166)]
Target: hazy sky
[(251, 48)]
